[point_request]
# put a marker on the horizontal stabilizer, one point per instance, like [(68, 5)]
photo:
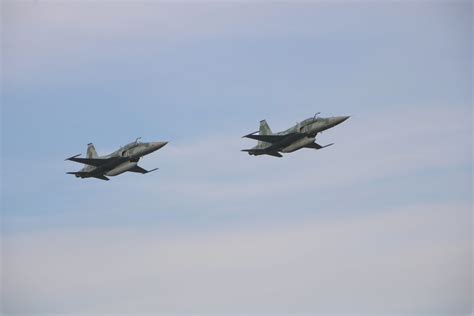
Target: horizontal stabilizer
[(250, 134), (70, 158)]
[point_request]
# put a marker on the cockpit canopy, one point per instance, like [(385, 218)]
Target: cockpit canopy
[(132, 144), (307, 121)]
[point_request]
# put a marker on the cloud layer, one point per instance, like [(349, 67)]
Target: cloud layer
[(401, 261)]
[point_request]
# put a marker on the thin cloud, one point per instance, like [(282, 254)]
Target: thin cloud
[(415, 260)]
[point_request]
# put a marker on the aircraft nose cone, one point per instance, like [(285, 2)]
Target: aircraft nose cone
[(341, 119), (158, 145)]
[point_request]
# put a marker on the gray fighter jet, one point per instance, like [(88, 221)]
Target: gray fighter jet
[(302, 135), (120, 161)]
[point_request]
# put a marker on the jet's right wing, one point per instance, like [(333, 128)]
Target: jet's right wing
[(96, 162)]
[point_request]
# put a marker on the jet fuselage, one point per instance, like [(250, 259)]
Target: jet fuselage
[(301, 135), (122, 160), (311, 127)]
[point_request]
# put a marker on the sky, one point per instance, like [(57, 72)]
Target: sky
[(378, 224)]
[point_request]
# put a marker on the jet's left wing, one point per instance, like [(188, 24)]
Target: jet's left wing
[(96, 162), (271, 138)]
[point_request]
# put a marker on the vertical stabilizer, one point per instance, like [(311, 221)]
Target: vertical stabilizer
[(91, 153), (264, 130)]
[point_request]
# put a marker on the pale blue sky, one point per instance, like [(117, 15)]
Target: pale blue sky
[(385, 212)]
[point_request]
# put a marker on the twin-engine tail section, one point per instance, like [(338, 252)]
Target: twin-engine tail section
[(91, 153)]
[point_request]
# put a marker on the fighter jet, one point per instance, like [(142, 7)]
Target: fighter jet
[(301, 135), (120, 161)]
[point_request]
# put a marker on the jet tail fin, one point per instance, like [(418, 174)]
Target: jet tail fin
[(91, 152), (264, 130)]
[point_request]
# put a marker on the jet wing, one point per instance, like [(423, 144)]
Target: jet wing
[(317, 146), (96, 162), (270, 138), (138, 169)]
